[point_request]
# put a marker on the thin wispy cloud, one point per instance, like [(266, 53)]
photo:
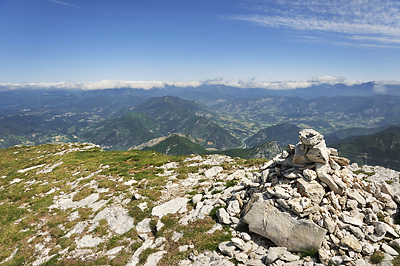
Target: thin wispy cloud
[(367, 21), (104, 14), (64, 4)]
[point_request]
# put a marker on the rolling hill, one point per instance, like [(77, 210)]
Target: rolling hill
[(266, 150), (156, 117), (177, 145), (382, 148), (121, 133), (283, 134)]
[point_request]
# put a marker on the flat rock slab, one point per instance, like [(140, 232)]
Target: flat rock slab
[(283, 229), (170, 207), (213, 171), (88, 241), (117, 217)]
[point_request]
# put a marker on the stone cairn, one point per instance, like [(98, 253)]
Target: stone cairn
[(309, 199)]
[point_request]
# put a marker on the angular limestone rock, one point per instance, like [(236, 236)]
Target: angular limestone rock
[(309, 174), (312, 190), (351, 242), (172, 206), (341, 160), (227, 248), (354, 194), (223, 216), (318, 153), (274, 253), (281, 228), (311, 148), (300, 152), (213, 171), (233, 207), (88, 241), (323, 175), (310, 137)]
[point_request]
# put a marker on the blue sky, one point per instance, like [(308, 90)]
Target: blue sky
[(195, 40)]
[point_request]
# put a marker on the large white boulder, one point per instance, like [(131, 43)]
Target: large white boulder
[(283, 229)]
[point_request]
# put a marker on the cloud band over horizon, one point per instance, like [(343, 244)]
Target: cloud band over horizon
[(147, 85)]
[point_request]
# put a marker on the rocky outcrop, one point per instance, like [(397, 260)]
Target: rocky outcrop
[(309, 198), (320, 211)]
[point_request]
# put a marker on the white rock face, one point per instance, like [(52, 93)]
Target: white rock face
[(227, 248), (351, 242), (117, 217), (78, 229), (239, 174), (88, 241), (311, 148), (300, 154), (134, 260), (318, 153), (177, 205)]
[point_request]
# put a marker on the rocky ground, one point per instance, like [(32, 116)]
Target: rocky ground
[(76, 204)]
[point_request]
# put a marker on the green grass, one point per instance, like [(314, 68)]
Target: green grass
[(183, 171), (85, 192), (309, 252), (213, 212), (231, 183), (28, 202), (193, 234), (363, 172), (377, 257), (381, 217), (78, 164), (396, 261), (145, 254)]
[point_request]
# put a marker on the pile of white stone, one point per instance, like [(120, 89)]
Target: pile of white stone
[(308, 199)]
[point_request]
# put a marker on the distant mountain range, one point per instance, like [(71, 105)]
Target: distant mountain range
[(382, 148), (213, 117)]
